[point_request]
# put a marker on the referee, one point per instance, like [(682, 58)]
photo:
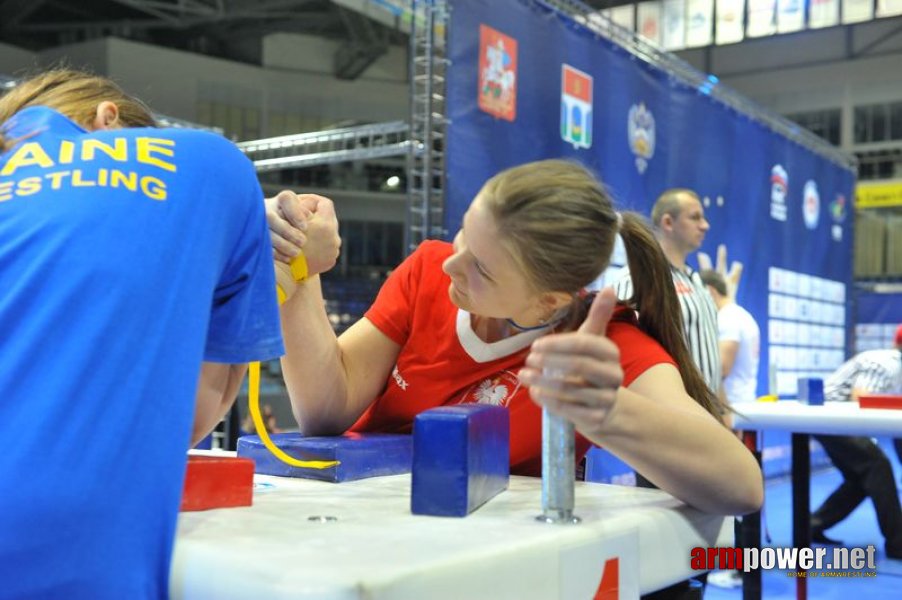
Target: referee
[(865, 468), (680, 226)]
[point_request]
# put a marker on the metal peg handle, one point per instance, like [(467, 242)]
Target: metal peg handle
[(558, 470)]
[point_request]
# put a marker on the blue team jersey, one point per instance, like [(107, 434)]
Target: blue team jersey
[(127, 257)]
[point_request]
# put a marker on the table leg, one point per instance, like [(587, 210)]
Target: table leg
[(801, 503), (749, 535)]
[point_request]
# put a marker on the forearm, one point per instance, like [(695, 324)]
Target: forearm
[(312, 366), (684, 452), (217, 389), (728, 351)]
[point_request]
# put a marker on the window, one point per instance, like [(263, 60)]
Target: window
[(878, 122), (822, 123)]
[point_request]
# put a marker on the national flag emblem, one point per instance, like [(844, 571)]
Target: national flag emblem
[(576, 107), (497, 73)]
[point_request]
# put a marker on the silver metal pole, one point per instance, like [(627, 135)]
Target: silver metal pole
[(558, 470)]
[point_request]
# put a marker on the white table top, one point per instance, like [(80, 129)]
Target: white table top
[(842, 418), (377, 549)]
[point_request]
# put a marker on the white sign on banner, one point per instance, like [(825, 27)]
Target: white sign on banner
[(856, 11), (622, 15), (761, 18), (730, 24), (790, 15), (699, 23), (823, 13), (648, 21), (889, 8), (674, 33)]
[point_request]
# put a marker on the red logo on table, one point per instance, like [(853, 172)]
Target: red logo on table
[(496, 390), (497, 73)]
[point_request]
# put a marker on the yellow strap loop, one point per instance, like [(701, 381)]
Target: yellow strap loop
[(299, 272)]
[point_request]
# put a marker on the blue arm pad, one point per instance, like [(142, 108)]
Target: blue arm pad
[(360, 455), (461, 458), (811, 390)]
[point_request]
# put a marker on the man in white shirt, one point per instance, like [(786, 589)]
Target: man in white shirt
[(740, 347), (740, 341)]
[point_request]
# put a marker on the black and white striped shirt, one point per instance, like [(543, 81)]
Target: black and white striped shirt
[(877, 371), (699, 319)]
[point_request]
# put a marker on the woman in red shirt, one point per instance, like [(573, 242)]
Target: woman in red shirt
[(500, 317)]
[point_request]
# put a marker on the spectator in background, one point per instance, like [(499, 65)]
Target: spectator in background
[(740, 341), (680, 227), (866, 470), (740, 345)]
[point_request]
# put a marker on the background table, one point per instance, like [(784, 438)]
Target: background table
[(377, 549), (832, 418)]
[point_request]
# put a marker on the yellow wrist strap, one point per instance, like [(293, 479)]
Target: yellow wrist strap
[(298, 266), (299, 272), (253, 397)]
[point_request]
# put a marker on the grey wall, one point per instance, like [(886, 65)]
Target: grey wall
[(13, 59), (174, 82)]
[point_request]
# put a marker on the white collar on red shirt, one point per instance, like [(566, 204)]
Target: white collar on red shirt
[(482, 351)]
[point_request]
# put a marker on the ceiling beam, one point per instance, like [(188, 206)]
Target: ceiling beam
[(13, 12)]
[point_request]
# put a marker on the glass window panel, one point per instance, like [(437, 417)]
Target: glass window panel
[(878, 123), (895, 121), (862, 125)]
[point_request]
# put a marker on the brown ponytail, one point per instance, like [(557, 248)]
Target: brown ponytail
[(655, 299)]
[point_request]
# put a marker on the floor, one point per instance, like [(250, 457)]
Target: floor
[(860, 529)]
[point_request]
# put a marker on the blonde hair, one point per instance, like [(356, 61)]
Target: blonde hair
[(558, 222), (75, 94)]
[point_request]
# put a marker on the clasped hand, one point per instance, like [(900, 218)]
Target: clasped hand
[(576, 374), (302, 223)]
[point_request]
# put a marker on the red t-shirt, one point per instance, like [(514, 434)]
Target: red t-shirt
[(442, 362)]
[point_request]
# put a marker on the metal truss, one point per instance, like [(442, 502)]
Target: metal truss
[(428, 123), (365, 142)]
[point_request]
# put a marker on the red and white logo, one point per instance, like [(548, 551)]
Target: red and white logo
[(497, 73), (496, 390)]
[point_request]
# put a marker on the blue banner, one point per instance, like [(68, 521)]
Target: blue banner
[(877, 317), (529, 83)]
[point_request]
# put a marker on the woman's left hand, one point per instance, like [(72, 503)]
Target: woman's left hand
[(576, 375)]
